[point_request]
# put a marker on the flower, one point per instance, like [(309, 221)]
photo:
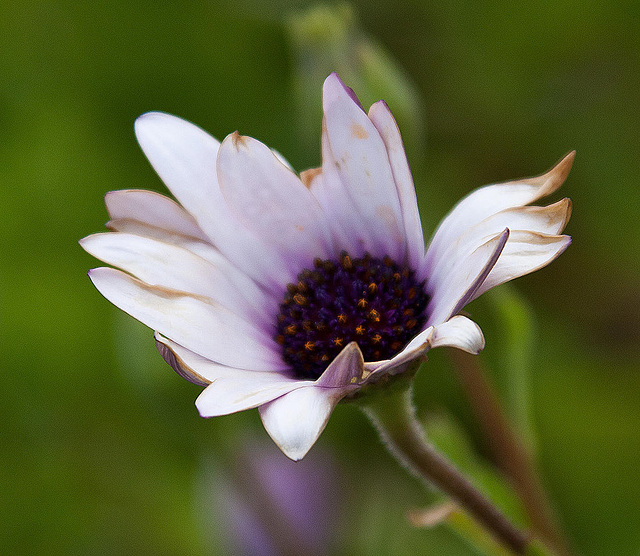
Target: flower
[(264, 505), (288, 292)]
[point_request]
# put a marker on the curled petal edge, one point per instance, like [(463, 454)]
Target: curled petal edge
[(459, 332)]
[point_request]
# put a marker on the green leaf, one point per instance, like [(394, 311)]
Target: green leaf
[(512, 333), (450, 439)]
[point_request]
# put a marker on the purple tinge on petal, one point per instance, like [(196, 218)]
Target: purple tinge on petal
[(184, 156), (271, 201), (345, 370), (195, 323), (355, 156), (451, 292), (468, 296), (383, 120)]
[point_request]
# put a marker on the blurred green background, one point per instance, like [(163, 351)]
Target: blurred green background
[(102, 449)]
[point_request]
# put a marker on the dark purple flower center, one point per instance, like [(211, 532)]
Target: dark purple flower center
[(374, 302)]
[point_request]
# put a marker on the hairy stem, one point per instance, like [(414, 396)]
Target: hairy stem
[(394, 417)]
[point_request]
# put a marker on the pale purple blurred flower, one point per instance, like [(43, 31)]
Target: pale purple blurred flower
[(289, 292), (266, 505)]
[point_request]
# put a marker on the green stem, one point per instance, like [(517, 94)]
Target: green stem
[(394, 416)]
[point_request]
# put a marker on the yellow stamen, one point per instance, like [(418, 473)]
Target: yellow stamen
[(300, 299)]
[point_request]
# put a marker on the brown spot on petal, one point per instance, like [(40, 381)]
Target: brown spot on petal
[(239, 140), (388, 217), (358, 132), (308, 176)]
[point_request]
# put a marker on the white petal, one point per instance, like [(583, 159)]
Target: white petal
[(271, 201), (296, 420), (204, 327), (228, 389), (525, 252), (349, 228), (144, 229), (162, 264), (385, 123), (175, 355), (263, 302), (549, 220), (456, 289), (459, 332), (246, 391), (415, 349), (355, 152), (489, 200), (185, 158), (153, 209)]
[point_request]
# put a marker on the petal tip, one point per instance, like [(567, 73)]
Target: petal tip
[(296, 454), (380, 105), (345, 370), (555, 177), (147, 118), (334, 88), (238, 140), (562, 169), (151, 126), (567, 206)]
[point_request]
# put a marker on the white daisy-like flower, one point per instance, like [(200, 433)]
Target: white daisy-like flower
[(288, 292)]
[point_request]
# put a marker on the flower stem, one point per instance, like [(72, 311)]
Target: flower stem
[(394, 416), (509, 452)]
